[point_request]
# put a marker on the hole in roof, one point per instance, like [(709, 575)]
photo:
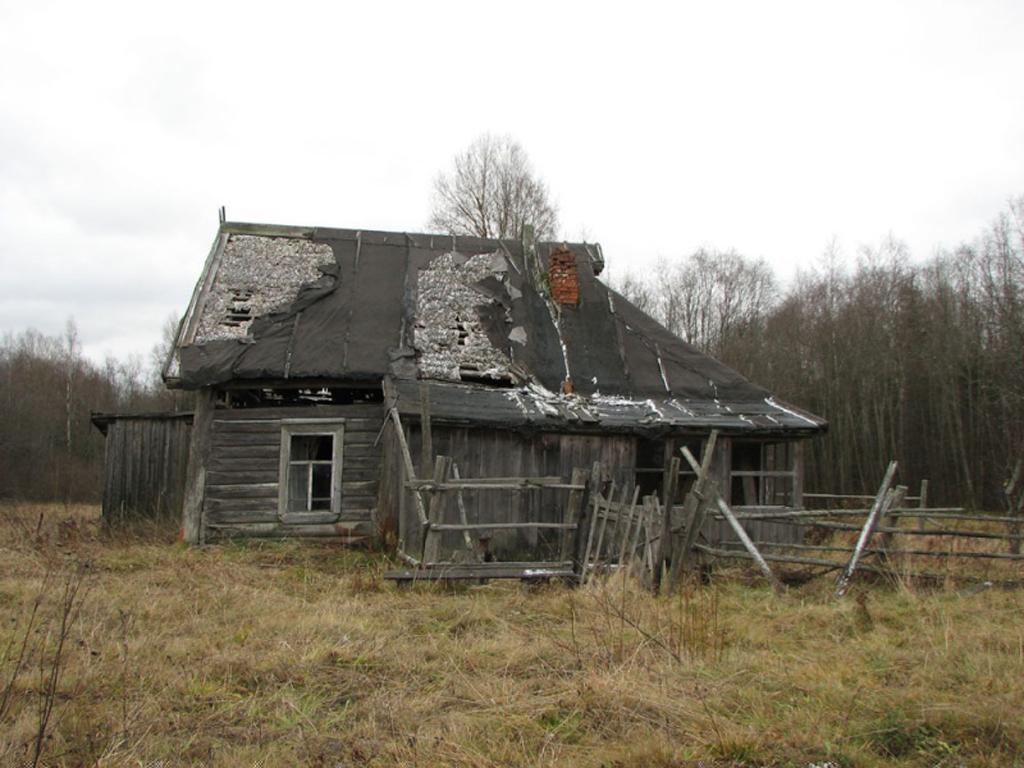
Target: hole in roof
[(239, 310)]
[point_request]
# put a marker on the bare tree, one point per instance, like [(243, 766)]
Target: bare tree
[(492, 191), (635, 289)]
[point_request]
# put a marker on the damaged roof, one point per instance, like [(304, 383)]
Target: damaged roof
[(521, 321), (533, 407)]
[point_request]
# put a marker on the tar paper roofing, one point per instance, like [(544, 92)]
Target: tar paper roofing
[(308, 303)]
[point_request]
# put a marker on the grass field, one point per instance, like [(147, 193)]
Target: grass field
[(288, 653)]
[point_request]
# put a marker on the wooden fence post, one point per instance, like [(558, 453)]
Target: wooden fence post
[(668, 500), (1015, 506), (410, 472), (573, 508), (695, 507), (583, 522), (426, 434), (625, 533), (749, 545), (195, 474), (894, 501), (593, 504), (922, 503), (432, 538), (604, 521), (797, 497), (463, 517), (843, 582)]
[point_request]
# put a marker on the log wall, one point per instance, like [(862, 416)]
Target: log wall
[(242, 473)]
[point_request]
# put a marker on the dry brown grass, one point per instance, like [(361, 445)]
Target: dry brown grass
[(286, 653)]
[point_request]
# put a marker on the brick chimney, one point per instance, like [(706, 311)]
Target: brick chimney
[(565, 287)]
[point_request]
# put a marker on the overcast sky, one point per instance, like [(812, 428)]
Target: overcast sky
[(770, 128)]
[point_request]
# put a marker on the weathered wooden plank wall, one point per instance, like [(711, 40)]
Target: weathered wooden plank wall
[(392, 477), (504, 453), (242, 475), (146, 460)]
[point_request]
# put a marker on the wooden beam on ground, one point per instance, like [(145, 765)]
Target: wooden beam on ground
[(500, 526), (497, 484), (741, 554), (475, 571)]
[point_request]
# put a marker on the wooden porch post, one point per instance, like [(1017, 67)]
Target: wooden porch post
[(195, 475), (797, 500)]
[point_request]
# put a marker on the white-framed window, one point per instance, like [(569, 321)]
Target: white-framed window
[(309, 484)]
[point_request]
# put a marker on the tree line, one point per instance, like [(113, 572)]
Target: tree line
[(922, 362), (49, 449), (918, 361)]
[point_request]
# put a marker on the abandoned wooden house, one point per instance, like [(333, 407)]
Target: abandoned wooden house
[(330, 364)]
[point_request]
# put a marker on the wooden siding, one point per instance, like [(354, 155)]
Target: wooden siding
[(488, 453), (145, 466), (242, 473), (719, 533), (503, 453)]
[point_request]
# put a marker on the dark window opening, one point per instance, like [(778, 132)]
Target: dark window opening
[(490, 377), (650, 466), (238, 311), (310, 473), (651, 458), (763, 473), (687, 477), (296, 396), (463, 331)]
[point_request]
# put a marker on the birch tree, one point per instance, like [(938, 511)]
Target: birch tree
[(491, 190)]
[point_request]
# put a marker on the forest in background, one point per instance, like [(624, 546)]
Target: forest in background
[(921, 361), (918, 361), (49, 449)]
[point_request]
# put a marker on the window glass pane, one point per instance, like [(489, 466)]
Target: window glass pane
[(298, 487), (312, 447), (321, 487)]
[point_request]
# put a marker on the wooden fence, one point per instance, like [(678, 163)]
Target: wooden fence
[(472, 560), (881, 535), (607, 527)]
